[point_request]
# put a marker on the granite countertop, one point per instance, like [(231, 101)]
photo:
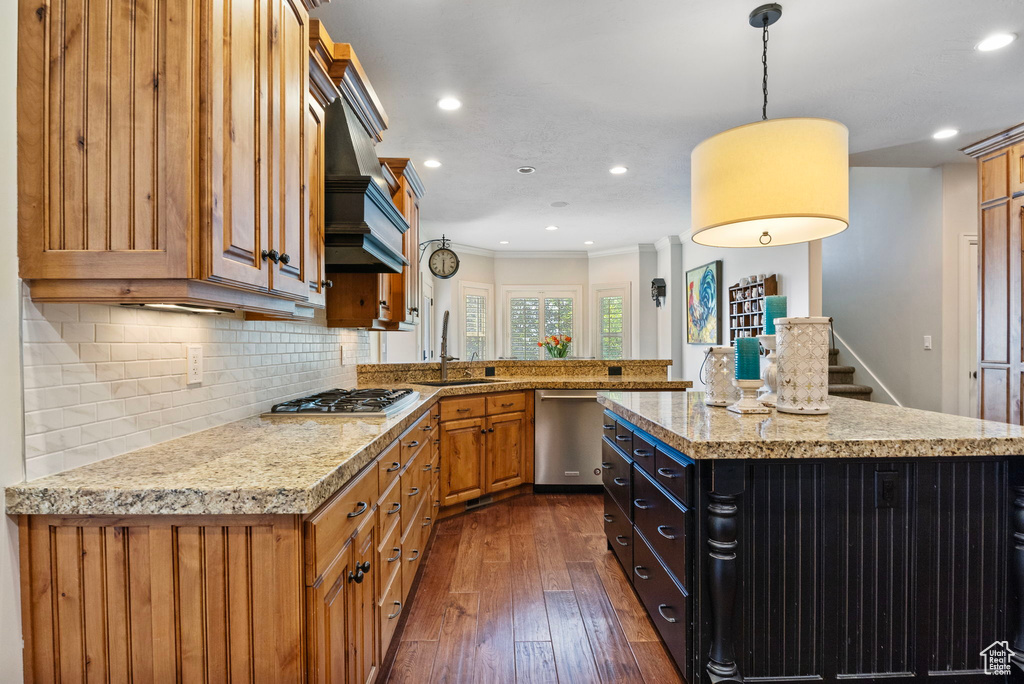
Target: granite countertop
[(281, 465), (853, 429)]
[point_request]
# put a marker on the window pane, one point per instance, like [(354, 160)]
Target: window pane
[(476, 326), (558, 316), (611, 347), (524, 327), (610, 312)]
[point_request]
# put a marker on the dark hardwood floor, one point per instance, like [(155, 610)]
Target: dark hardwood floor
[(526, 591)]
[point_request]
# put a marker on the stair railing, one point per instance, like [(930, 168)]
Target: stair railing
[(867, 369)]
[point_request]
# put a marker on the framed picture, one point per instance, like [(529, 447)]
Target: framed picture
[(704, 304)]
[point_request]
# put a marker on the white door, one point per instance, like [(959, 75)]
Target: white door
[(426, 319), (967, 384)]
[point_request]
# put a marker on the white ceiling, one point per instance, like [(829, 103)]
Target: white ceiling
[(574, 87)]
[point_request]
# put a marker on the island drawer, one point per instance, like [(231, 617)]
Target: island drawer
[(643, 453), (624, 436), (608, 426), (615, 474), (668, 606), (505, 403), (388, 466), (333, 524), (463, 407), (674, 475), (619, 531), (664, 524)]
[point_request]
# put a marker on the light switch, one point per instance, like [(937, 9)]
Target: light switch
[(194, 364), (927, 342)]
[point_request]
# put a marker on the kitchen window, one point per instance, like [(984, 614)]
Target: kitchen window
[(477, 305), (531, 315), (611, 320)]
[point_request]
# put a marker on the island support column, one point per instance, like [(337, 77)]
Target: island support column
[(726, 484)]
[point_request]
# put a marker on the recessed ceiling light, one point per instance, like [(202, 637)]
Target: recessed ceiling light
[(944, 133), (503, 242), (432, 163), (559, 205), (617, 170), (588, 242), (995, 41), (449, 103), (551, 228), (525, 169)]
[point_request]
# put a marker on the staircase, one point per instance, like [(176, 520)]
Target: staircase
[(840, 380)]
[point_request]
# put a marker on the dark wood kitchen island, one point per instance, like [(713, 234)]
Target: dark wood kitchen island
[(876, 543)]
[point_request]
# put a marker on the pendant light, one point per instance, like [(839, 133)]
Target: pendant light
[(773, 182)]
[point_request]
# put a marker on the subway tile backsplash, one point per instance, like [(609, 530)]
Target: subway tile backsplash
[(102, 380)]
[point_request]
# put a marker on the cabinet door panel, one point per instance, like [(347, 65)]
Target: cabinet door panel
[(236, 142), (362, 616), (504, 451), (995, 284), (290, 59), (329, 605), (314, 199), (462, 444)]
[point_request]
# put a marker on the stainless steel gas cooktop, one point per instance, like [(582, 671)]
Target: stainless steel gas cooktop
[(361, 402)]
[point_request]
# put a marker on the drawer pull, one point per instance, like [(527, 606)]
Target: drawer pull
[(395, 507), (621, 543), (414, 491), (415, 555), (606, 465), (463, 410), (511, 403), (608, 518), (636, 571), (398, 554), (642, 453), (397, 612), (427, 468), (609, 426), (426, 521), (620, 481), (395, 465), (427, 428), (639, 503), (661, 612), (663, 533), (670, 474), (437, 441), (623, 438), (412, 445), (362, 509)]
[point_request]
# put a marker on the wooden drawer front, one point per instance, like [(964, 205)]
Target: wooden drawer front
[(389, 510), (390, 610), (615, 474), (505, 403), (435, 414), (390, 556), (619, 531), (608, 426), (664, 524), (333, 524), (414, 491), (463, 407), (388, 466), (415, 438), (623, 436), (412, 554), (643, 454), (674, 475), (666, 604)]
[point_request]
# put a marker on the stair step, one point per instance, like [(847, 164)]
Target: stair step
[(840, 375), (833, 356), (851, 391)]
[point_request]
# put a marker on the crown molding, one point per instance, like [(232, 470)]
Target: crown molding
[(476, 251), (667, 241), (995, 142)]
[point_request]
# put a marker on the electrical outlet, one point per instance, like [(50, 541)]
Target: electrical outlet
[(928, 342), (194, 364)]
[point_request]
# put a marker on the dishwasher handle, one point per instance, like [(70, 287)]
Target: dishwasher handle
[(568, 397)]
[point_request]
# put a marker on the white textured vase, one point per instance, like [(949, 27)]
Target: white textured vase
[(802, 365), (769, 372), (720, 368)]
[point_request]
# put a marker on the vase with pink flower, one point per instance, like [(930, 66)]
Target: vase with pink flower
[(556, 345)]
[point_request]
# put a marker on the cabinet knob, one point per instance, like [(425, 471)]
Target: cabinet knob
[(285, 258), (326, 283), (272, 255), (490, 429), (356, 576), (364, 566), (384, 303)]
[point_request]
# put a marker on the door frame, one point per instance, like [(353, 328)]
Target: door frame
[(968, 326)]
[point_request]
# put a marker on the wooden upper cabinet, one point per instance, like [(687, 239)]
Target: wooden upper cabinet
[(163, 153), (1017, 169), (407, 200), (105, 158)]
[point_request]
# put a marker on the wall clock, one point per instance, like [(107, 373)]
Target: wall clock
[(443, 262)]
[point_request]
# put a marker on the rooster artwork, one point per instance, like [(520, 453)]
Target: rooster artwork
[(703, 304)]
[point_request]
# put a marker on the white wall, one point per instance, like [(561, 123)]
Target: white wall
[(11, 442), (792, 264), (883, 281), (671, 315)]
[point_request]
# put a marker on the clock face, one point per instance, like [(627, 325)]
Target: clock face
[(444, 263)]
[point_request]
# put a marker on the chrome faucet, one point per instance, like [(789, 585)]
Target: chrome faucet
[(444, 348)]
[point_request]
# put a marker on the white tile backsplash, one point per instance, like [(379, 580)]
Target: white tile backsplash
[(102, 380)]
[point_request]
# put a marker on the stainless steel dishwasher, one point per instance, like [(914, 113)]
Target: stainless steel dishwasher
[(567, 442)]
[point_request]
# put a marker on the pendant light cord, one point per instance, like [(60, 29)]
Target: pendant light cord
[(764, 66)]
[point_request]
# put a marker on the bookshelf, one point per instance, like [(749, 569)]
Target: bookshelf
[(746, 307)]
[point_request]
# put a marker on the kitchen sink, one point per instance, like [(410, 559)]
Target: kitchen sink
[(446, 383)]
